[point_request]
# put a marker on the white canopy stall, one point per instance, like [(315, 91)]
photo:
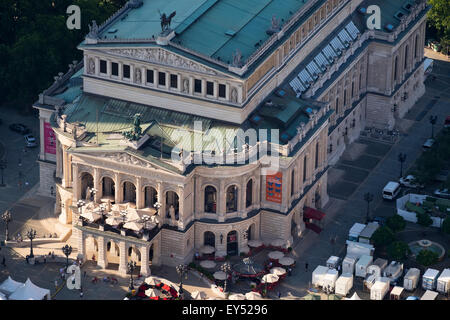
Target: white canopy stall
[(9, 286), (30, 291)]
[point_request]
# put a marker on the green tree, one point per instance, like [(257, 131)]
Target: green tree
[(446, 225), (439, 15), (398, 250), (424, 219), (396, 223), (383, 236), (427, 258)]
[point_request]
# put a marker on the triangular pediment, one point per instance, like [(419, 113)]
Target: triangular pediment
[(164, 57)]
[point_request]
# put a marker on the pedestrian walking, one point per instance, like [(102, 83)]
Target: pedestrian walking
[(279, 295), (84, 274), (289, 272), (27, 258), (306, 266), (4, 261), (81, 294)]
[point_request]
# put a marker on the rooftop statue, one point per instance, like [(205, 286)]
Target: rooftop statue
[(166, 21), (93, 30), (136, 133)]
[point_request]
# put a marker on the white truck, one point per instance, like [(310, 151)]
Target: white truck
[(344, 284), (358, 249), (362, 264), (355, 231), (348, 265), (411, 279), (379, 289), (443, 282), (366, 235), (318, 275), (429, 279), (330, 278)]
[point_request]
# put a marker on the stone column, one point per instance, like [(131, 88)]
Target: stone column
[(132, 73), (65, 180), (81, 244), (42, 139), (216, 89), (167, 80), (97, 66), (191, 85), (144, 76), (139, 193), (120, 71), (203, 87), (97, 186), (117, 188), (75, 185), (145, 270), (181, 207), (221, 201), (102, 259), (123, 258), (241, 201), (179, 84), (161, 200), (227, 92), (108, 68)]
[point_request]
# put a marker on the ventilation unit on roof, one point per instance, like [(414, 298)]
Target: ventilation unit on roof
[(230, 33)]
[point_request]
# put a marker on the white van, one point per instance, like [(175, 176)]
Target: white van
[(391, 190)]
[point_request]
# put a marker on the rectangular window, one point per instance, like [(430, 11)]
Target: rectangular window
[(126, 71), (115, 69), (353, 89), (198, 86), (222, 90), (210, 88), (150, 76), (360, 81), (173, 81), (162, 78), (103, 66), (345, 98), (337, 107), (317, 155)]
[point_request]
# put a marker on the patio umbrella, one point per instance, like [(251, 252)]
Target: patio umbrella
[(220, 254), (255, 243), (91, 216), (286, 261), (270, 278), (152, 293), (208, 264), (132, 215), (135, 226), (152, 281), (220, 275), (278, 243), (207, 249), (277, 271), (276, 255), (237, 296), (198, 295), (253, 296)]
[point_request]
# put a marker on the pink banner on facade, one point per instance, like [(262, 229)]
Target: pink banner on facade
[(49, 139)]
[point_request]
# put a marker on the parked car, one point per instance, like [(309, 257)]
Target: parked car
[(409, 181), (391, 190), (19, 128), (428, 144), (443, 193), (30, 141), (381, 220)]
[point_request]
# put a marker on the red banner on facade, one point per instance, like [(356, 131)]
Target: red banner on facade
[(49, 139), (274, 184)]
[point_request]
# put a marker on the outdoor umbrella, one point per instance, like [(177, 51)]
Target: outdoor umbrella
[(198, 295), (152, 293), (220, 275), (276, 255), (152, 281), (91, 216), (207, 249), (278, 243), (135, 226), (277, 271), (132, 215), (253, 296), (270, 278), (286, 261), (114, 221), (255, 243), (237, 296), (208, 264), (220, 253)]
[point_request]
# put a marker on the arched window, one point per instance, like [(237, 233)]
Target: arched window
[(172, 200), (337, 108), (305, 163), (249, 194), (129, 192), (232, 199), (210, 199), (209, 239), (87, 183), (151, 197), (416, 48), (406, 57), (108, 187), (317, 155)]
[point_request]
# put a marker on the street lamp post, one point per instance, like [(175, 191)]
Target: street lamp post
[(131, 266), (7, 218), (226, 267), (3, 165), (182, 271), (368, 197), (433, 120), (401, 159), (67, 250), (31, 234)]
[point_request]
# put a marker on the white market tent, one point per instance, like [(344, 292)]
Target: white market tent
[(354, 297), (429, 295), (9, 285), (30, 291), (2, 296)]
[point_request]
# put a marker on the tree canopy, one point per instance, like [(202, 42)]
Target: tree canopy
[(35, 43)]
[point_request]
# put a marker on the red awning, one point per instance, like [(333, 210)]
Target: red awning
[(310, 213), (313, 227)]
